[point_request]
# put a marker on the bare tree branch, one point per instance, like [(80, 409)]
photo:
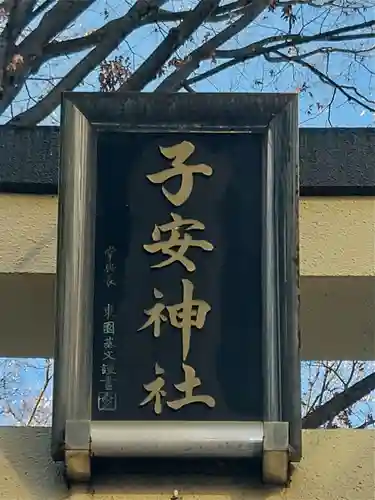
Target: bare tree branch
[(16, 15), (188, 88), (346, 90), (74, 45), (175, 38), (130, 22), (41, 8), (52, 23), (55, 20), (262, 47), (338, 403), (332, 35), (220, 14), (47, 380), (174, 82), (20, 14), (369, 421)]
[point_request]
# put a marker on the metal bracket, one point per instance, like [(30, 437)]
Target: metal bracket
[(78, 450), (275, 461), (275, 458)]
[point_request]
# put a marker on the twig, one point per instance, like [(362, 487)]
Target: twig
[(47, 379)]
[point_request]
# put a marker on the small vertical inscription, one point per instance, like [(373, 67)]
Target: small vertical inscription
[(110, 267), (107, 397)]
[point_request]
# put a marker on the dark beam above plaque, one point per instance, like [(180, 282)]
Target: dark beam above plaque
[(334, 162)]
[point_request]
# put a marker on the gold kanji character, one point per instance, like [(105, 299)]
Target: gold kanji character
[(185, 315), (156, 391), (179, 153), (190, 383), (189, 313), (176, 246), (155, 315)]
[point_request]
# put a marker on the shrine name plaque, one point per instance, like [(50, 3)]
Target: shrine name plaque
[(177, 276)]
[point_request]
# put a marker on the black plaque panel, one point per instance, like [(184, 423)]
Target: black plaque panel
[(226, 353)]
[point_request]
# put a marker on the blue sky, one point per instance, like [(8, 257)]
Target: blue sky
[(257, 75)]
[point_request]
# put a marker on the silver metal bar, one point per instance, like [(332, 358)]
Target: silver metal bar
[(177, 439)]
